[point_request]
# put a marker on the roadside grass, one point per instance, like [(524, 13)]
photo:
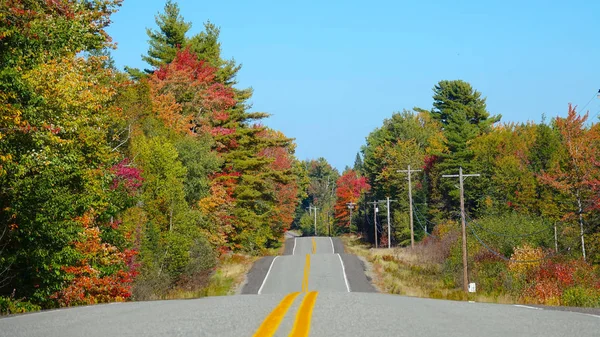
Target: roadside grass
[(414, 272), (225, 280), (228, 277)]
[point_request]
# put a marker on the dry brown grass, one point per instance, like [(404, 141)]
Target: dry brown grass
[(414, 272), (226, 279)]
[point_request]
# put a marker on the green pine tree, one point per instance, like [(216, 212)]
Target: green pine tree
[(358, 164), (170, 36), (463, 115)]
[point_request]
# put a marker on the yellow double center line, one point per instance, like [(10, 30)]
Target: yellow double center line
[(301, 326), (303, 318), (306, 274), (270, 325)]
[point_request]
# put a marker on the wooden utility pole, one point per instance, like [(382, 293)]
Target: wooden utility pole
[(555, 239), (410, 212), (310, 208), (387, 201), (350, 207), (461, 178), (375, 210)]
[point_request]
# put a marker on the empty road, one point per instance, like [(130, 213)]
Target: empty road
[(315, 289)]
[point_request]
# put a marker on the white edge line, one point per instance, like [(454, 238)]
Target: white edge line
[(332, 247), (344, 272), (528, 307), (592, 315), (294, 250), (266, 276)]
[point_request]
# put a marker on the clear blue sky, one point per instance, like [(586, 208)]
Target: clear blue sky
[(330, 71)]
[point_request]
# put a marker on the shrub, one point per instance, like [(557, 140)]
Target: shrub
[(10, 306), (517, 264), (569, 282), (580, 296), (513, 229), (388, 258), (489, 272)]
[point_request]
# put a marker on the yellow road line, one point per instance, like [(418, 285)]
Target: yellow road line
[(271, 323), (306, 274), (303, 317), (314, 245)]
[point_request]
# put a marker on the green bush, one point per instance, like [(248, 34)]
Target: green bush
[(513, 229), (11, 306), (490, 276), (579, 296)]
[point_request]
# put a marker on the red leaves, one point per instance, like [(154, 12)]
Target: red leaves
[(430, 161), (90, 284), (186, 62), (286, 193), (548, 282), (127, 176), (186, 89), (220, 131), (349, 188), (580, 172), (88, 287)]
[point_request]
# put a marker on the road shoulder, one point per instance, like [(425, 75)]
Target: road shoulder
[(356, 274), (338, 246), (256, 275)]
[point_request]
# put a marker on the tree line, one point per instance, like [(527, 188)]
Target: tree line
[(119, 185), (532, 214)]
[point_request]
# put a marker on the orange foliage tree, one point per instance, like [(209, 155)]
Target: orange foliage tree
[(286, 187), (187, 96), (350, 186), (578, 176)]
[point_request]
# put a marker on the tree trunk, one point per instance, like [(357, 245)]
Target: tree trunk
[(581, 226)]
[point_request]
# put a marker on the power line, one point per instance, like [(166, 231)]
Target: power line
[(420, 224), (504, 257), (461, 178), (409, 172), (387, 201), (590, 101), (425, 218), (503, 234)]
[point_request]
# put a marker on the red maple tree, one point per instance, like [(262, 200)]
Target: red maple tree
[(350, 186)]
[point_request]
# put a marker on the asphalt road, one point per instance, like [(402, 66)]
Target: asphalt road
[(315, 289)]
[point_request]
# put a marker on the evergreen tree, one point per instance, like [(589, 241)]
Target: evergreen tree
[(462, 112), (170, 37), (463, 115), (358, 164)]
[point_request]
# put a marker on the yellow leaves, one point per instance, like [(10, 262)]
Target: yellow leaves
[(73, 84), (10, 117), (217, 197), (169, 111), (524, 259)]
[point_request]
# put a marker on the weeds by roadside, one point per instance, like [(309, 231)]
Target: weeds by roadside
[(431, 270)]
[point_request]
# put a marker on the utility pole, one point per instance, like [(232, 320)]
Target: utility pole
[(315, 221), (388, 219), (375, 210), (350, 207), (387, 201), (310, 208), (410, 205), (461, 178), (555, 239)]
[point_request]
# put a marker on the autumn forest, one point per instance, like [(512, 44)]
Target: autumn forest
[(128, 184)]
